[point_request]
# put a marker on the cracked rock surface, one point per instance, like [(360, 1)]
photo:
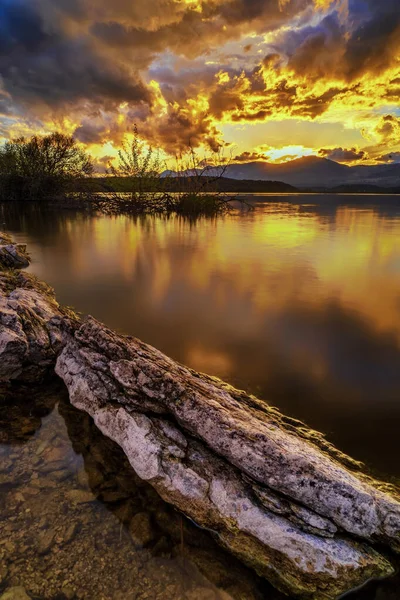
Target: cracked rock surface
[(32, 325), (275, 493), (12, 256)]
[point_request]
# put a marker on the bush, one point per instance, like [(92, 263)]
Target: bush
[(142, 186), (42, 167)]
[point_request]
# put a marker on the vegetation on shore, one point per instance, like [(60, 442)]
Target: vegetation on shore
[(42, 168), (177, 184), (55, 168)]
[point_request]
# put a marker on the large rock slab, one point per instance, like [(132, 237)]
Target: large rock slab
[(32, 323), (32, 327), (274, 492)]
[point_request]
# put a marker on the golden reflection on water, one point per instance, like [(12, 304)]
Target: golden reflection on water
[(298, 303), (273, 257)]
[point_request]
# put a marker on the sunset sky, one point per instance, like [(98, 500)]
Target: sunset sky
[(266, 79)]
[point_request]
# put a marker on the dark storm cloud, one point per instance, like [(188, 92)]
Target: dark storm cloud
[(178, 130), (40, 64), (249, 157), (364, 40), (375, 42), (315, 51), (343, 154), (70, 57), (85, 59)]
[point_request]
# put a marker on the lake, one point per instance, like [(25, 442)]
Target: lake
[(297, 301)]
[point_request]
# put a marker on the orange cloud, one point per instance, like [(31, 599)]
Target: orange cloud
[(182, 69)]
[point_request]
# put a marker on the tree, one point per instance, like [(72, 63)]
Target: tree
[(141, 166), (141, 184), (42, 167)]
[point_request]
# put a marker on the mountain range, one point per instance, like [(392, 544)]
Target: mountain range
[(312, 172)]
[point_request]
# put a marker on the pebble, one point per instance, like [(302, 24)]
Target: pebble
[(113, 495), (68, 592), (15, 593), (80, 496), (3, 573), (70, 533), (10, 547), (41, 448), (82, 478), (45, 542), (141, 529)]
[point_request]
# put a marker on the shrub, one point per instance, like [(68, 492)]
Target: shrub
[(142, 185), (42, 167)]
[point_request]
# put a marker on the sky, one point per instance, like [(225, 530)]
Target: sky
[(260, 79)]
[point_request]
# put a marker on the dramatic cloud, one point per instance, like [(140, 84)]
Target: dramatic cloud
[(249, 157), (43, 65), (188, 70), (388, 129), (343, 154), (392, 157)]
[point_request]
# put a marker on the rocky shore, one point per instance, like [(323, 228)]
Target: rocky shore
[(273, 492), (13, 256)]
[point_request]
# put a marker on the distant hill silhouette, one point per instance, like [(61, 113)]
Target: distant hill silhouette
[(211, 184), (225, 184), (312, 172)]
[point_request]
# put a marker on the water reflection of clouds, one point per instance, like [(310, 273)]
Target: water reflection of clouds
[(298, 303)]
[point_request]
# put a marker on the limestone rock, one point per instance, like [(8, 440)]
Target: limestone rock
[(12, 256), (32, 326), (274, 493)]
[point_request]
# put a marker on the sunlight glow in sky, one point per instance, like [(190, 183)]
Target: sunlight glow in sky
[(266, 79)]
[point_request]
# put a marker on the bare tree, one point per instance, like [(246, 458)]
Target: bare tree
[(144, 184)]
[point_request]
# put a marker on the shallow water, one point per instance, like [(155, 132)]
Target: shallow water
[(76, 523), (299, 303)]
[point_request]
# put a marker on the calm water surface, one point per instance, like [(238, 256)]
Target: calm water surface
[(298, 303)]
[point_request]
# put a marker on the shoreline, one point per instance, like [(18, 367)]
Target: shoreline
[(123, 384)]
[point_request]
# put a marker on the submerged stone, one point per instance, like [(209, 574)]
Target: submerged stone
[(141, 529), (80, 496), (273, 497), (15, 593), (45, 542)]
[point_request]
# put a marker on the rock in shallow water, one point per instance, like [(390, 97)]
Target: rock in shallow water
[(45, 542), (15, 593), (141, 529), (235, 466), (32, 325), (12, 256)]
